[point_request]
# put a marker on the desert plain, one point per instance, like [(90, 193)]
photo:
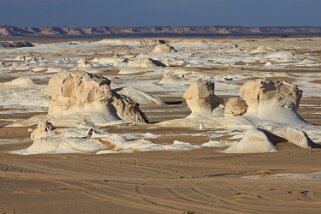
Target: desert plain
[(160, 162)]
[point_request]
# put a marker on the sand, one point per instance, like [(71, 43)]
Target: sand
[(199, 181)]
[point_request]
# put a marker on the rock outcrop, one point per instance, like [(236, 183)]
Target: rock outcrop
[(84, 63), (201, 99), (275, 101), (164, 48), (295, 136), (235, 107), (254, 141), (83, 93)]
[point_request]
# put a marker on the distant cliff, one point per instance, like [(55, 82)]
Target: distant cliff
[(11, 31)]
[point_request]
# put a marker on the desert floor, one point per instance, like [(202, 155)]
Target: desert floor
[(195, 181)]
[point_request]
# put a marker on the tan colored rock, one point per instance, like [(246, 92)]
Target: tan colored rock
[(44, 128), (235, 106), (84, 63), (80, 92), (201, 99), (272, 100)]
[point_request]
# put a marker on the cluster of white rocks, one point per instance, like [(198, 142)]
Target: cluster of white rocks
[(83, 102)]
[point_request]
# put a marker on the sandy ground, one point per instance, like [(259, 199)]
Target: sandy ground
[(199, 181), (190, 182)]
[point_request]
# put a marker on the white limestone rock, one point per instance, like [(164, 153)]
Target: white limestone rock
[(82, 93), (275, 101), (254, 141), (201, 99)]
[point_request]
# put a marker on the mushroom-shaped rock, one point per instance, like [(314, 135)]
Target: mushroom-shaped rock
[(80, 92), (201, 99), (254, 141), (275, 101), (234, 107)]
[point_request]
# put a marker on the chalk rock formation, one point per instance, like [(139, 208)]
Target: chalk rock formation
[(84, 63), (254, 141), (295, 136), (275, 101), (164, 48), (80, 92), (145, 63), (43, 129), (48, 139), (139, 96), (201, 99), (235, 107)]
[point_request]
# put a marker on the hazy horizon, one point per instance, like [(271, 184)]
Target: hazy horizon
[(145, 13)]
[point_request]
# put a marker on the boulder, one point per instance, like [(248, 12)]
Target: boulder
[(234, 107)]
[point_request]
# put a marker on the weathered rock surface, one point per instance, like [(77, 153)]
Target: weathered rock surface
[(275, 101), (201, 99), (235, 107), (80, 92)]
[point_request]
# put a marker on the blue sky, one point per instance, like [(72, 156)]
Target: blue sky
[(40, 13)]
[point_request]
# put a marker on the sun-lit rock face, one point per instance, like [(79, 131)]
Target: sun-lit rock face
[(275, 101), (80, 92), (201, 99), (235, 107)]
